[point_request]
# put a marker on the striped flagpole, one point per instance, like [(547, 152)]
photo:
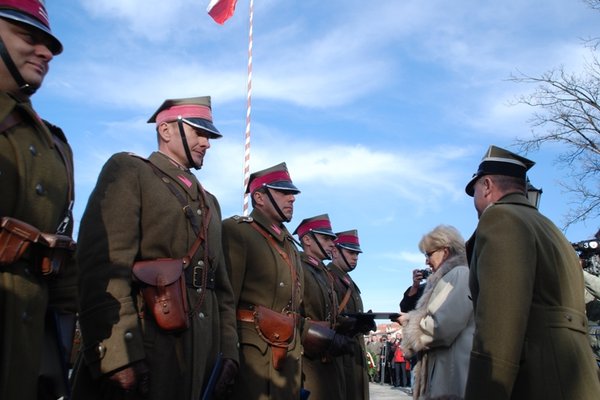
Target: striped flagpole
[(248, 109)]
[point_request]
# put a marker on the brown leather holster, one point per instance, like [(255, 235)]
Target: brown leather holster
[(50, 252), (162, 284), (276, 329)]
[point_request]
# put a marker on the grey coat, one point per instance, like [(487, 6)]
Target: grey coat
[(440, 331)]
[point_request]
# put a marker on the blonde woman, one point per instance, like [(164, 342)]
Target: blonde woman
[(440, 329)]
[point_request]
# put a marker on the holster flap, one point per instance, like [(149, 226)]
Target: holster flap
[(159, 272)]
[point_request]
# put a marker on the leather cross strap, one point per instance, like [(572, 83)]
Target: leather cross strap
[(285, 257), (11, 120)]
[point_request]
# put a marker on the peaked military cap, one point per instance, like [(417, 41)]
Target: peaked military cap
[(499, 161), (319, 224), (348, 240), (276, 177), (194, 111), (32, 13)]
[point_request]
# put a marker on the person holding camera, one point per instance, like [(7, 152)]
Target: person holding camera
[(440, 329)]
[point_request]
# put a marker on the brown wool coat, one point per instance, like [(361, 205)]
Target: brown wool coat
[(29, 160), (131, 215), (527, 287), (355, 373), (259, 276), (321, 375)]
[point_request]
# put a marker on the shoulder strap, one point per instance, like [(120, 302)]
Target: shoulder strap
[(59, 140), (286, 259)]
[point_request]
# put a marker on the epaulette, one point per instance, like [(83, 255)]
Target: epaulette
[(241, 218), (137, 156), (55, 130)]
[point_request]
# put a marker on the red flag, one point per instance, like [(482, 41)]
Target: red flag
[(221, 10)]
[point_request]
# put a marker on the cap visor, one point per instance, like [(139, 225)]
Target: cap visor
[(55, 45), (284, 186), (205, 125), (350, 247)]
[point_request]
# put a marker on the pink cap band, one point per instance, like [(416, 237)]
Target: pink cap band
[(185, 111), (347, 239), (318, 224), (268, 178)]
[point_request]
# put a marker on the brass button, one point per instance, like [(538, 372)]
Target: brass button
[(128, 336), (39, 189), (32, 150)]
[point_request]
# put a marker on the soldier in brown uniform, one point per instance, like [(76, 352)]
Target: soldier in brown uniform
[(145, 220), (321, 373), (37, 277), (265, 272), (344, 259)]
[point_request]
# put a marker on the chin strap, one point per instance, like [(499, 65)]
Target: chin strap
[(24, 87), (350, 267), (283, 217), (186, 148), (323, 252)]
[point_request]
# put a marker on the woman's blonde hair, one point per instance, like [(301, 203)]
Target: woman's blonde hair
[(443, 236)]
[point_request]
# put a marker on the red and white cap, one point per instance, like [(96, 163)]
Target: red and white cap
[(32, 13)]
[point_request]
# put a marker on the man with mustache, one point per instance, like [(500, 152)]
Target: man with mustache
[(142, 218), (37, 277)]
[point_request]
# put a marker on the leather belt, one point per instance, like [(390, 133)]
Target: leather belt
[(245, 315)]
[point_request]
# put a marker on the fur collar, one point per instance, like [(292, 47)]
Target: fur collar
[(412, 335)]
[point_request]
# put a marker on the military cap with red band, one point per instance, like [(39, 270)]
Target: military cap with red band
[(32, 13), (276, 177), (348, 240), (499, 161), (194, 111), (319, 224)]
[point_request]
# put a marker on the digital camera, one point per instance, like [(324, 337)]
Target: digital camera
[(425, 272)]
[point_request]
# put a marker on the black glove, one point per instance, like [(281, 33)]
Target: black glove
[(129, 382), (355, 324), (229, 371), (341, 345), (346, 325)]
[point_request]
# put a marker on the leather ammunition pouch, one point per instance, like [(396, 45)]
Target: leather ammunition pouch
[(52, 253), (276, 329), (49, 252), (15, 238), (162, 284)]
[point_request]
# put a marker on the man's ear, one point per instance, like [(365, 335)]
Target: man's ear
[(164, 132), (306, 240), (259, 198)]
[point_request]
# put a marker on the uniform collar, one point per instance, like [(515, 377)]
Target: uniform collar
[(278, 231)]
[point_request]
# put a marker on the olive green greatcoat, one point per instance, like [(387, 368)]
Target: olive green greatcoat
[(527, 287), (132, 215), (321, 375), (355, 367), (33, 188), (260, 276)]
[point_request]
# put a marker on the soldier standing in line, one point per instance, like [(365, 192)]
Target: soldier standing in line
[(37, 276), (267, 280), (320, 369), (156, 305), (344, 259)]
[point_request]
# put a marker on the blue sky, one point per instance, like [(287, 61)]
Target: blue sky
[(382, 110)]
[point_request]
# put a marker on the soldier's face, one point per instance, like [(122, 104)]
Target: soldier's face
[(197, 141), (285, 202), (326, 243), (29, 51)]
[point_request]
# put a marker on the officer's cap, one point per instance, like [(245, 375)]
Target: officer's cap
[(348, 240), (276, 177), (319, 224), (32, 13), (194, 111), (499, 161)]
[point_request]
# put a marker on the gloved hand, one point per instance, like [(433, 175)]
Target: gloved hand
[(130, 382), (340, 345), (229, 371), (352, 326), (346, 325)]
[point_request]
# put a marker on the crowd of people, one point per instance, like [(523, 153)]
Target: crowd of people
[(174, 301)]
